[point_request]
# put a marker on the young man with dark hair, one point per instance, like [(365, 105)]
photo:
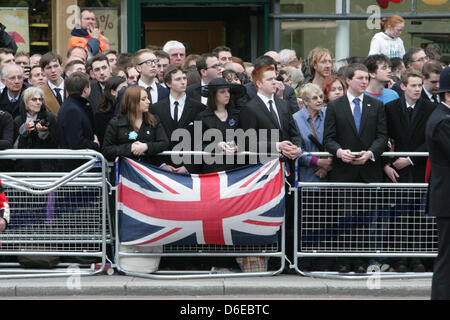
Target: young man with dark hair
[(164, 61), (209, 68), (355, 122), (54, 89), (224, 54), (406, 120), (76, 118), (101, 70), (379, 67), (177, 111), (74, 66), (431, 72)]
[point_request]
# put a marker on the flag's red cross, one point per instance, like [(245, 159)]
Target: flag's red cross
[(210, 209)]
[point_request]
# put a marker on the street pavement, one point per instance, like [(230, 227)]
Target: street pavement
[(284, 286)]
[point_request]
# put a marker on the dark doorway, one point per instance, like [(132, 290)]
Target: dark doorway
[(203, 27)]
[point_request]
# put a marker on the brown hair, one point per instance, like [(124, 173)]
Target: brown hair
[(391, 22), (432, 66), (130, 105), (410, 73)]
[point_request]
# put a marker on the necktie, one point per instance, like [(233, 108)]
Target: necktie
[(149, 91), (175, 112), (435, 98), (410, 112), (357, 113), (274, 115), (58, 96)]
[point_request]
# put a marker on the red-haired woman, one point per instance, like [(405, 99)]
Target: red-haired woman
[(135, 133), (333, 88), (388, 40)]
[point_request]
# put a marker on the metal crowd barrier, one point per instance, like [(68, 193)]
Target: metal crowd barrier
[(359, 220), (56, 214), (187, 254)]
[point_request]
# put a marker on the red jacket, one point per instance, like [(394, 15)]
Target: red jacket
[(4, 206)]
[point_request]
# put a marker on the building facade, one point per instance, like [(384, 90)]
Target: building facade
[(249, 27)]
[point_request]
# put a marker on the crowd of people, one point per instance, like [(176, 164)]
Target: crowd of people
[(129, 104)]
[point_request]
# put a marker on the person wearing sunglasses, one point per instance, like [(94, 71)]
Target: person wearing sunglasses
[(35, 128)]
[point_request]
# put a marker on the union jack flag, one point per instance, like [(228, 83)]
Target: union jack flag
[(237, 207)]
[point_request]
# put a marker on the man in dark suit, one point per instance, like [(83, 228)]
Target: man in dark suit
[(76, 119), (13, 79), (209, 68), (102, 72), (355, 122), (406, 119), (437, 135), (284, 91), (177, 111), (267, 111), (146, 64), (276, 132), (431, 71)]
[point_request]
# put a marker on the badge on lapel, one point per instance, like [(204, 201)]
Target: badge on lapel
[(232, 122)]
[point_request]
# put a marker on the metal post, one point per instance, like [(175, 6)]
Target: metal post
[(276, 26), (342, 31)]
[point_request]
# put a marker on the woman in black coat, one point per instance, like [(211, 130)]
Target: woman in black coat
[(105, 110), (135, 133), (35, 128), (220, 115)]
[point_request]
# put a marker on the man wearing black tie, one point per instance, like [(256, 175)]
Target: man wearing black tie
[(406, 119), (54, 90), (267, 111), (355, 122), (146, 64), (431, 71), (177, 111)]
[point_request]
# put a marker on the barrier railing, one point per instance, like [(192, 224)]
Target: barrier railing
[(181, 258), (355, 220), (56, 216)]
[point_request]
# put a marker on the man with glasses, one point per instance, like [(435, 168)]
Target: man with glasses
[(380, 74), (13, 78), (414, 58), (146, 64), (209, 68), (162, 65)]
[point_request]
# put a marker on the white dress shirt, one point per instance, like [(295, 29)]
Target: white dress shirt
[(181, 103), (61, 92), (153, 91)]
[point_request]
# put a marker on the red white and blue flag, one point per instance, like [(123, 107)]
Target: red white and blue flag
[(237, 207)]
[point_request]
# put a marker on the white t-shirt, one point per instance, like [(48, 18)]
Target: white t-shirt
[(391, 47)]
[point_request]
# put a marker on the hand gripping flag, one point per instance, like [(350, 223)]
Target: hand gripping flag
[(237, 207)]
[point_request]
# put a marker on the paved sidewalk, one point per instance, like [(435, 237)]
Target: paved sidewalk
[(281, 286)]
